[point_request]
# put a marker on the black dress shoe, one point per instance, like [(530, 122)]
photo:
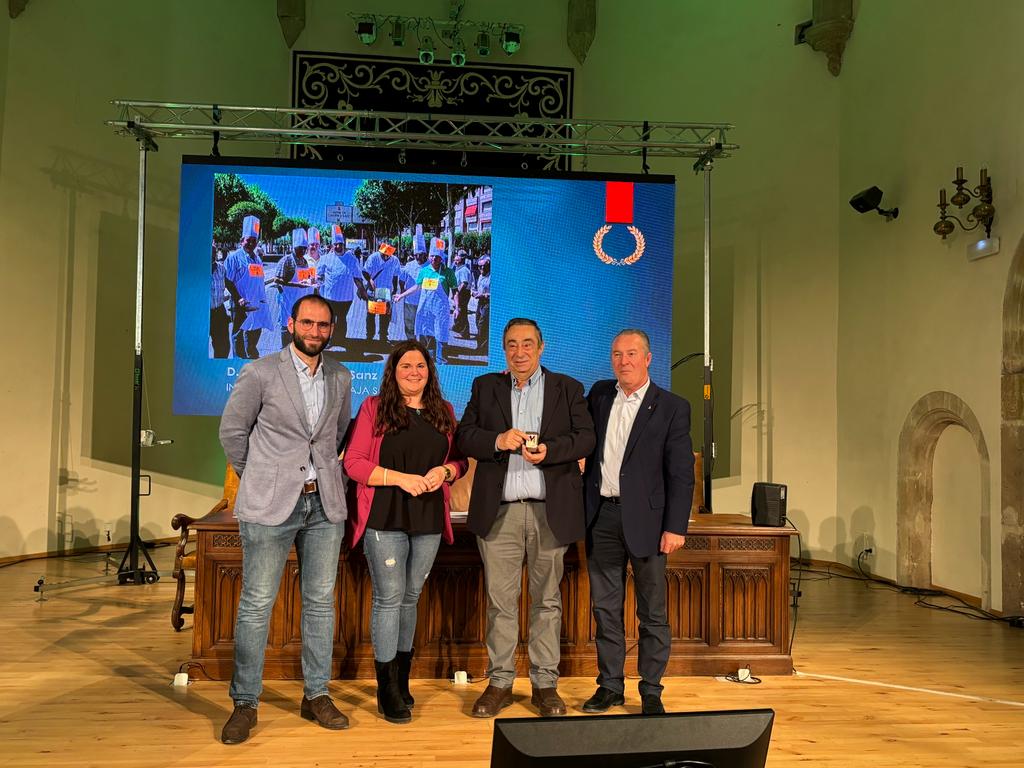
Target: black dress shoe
[(236, 729), (650, 704), (602, 700)]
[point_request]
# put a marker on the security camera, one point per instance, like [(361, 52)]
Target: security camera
[(868, 200)]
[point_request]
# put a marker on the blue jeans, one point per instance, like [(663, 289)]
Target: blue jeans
[(264, 553), (398, 564)]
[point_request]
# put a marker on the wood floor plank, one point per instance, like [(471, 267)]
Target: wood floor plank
[(85, 681)]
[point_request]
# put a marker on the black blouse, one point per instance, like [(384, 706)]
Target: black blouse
[(415, 451)]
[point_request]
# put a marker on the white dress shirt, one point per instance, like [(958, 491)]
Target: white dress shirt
[(312, 388), (620, 424)]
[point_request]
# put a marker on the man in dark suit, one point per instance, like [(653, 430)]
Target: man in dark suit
[(527, 429), (638, 492)]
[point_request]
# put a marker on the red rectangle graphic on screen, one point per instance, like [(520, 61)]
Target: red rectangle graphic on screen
[(618, 202)]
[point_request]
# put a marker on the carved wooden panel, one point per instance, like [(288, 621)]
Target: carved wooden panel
[(688, 603), (746, 543), (746, 608), (722, 600), (453, 606), (226, 591)]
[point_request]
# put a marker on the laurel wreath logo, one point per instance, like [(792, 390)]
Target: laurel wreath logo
[(638, 238)]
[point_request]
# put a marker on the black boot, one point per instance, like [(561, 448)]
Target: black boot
[(389, 700), (404, 661)]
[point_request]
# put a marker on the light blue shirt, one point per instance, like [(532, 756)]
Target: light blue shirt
[(409, 273), (523, 479), (463, 275), (336, 274), (383, 271), (312, 388)]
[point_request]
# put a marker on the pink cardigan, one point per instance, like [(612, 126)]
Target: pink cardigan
[(362, 456)]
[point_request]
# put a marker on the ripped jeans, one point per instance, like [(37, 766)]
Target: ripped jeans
[(398, 564)]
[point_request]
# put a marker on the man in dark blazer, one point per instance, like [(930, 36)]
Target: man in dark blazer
[(638, 493), (527, 429)]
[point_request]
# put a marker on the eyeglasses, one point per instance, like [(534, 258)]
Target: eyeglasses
[(308, 325)]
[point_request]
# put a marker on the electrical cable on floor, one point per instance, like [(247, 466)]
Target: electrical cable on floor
[(963, 608), (748, 680), (799, 582)]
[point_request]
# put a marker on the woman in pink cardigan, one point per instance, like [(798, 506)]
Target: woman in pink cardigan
[(402, 457)]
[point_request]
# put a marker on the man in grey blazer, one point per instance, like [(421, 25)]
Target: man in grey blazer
[(282, 430)]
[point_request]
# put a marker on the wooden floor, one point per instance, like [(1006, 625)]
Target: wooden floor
[(85, 680)]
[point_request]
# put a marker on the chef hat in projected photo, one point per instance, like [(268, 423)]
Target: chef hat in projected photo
[(337, 235), (419, 244), (437, 247), (313, 234), (387, 249), (299, 238), (250, 227)]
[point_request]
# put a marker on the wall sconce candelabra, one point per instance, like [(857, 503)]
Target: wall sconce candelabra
[(981, 214)]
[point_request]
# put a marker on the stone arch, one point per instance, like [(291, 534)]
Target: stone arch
[(1012, 438), (927, 419)]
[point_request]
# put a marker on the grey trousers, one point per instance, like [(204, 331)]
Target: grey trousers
[(522, 528)]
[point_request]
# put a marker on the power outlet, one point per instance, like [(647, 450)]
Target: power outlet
[(864, 545)]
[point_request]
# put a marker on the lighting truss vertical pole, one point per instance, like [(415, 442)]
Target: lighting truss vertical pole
[(130, 571), (708, 449)]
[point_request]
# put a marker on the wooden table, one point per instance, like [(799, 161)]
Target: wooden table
[(728, 607)]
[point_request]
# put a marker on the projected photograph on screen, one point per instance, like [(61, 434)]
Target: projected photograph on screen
[(396, 260), (447, 259)]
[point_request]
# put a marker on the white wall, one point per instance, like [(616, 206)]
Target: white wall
[(925, 88), (956, 523), (67, 190)]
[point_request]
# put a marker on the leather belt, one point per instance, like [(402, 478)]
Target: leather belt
[(524, 501), (612, 500), (309, 486)]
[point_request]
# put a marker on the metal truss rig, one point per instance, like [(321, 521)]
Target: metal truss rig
[(467, 133)]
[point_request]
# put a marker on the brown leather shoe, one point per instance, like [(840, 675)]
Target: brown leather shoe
[(322, 710), (492, 701), (548, 702), (236, 729)]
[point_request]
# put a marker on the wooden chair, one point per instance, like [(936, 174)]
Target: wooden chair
[(185, 554)]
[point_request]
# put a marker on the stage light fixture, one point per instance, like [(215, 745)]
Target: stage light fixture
[(397, 33), (458, 57), (510, 41), (366, 31), (426, 51), (483, 43)]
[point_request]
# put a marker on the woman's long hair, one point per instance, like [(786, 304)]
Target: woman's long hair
[(392, 415)]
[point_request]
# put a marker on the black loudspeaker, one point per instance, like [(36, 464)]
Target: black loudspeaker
[(736, 739), (768, 504)]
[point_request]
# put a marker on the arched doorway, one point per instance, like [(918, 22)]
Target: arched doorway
[(927, 419), (1012, 438)]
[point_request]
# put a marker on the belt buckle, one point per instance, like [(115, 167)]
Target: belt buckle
[(309, 487)]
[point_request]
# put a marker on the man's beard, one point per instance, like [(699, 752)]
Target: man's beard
[(310, 347)]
